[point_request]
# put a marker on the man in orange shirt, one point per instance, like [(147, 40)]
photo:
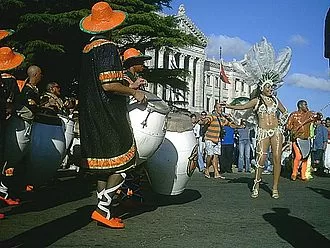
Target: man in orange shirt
[(299, 125)]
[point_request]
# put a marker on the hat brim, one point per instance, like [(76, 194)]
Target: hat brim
[(87, 25), (16, 61), (5, 33), (136, 60)]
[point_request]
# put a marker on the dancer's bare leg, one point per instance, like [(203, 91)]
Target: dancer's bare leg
[(276, 144), (261, 151)]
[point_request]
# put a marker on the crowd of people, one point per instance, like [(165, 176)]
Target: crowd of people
[(108, 149), (300, 145)]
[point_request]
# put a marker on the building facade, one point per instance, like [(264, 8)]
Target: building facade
[(205, 85)]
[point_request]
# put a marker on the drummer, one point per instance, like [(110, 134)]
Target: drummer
[(107, 144), (51, 99), (133, 62), (9, 60), (30, 96)]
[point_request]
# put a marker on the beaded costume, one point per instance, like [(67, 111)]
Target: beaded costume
[(262, 68)]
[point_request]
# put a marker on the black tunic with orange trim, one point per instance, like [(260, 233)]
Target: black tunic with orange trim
[(106, 138), (8, 92)]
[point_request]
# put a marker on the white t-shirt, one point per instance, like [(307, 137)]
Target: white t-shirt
[(196, 130)]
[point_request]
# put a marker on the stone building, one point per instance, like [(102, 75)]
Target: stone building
[(205, 85)]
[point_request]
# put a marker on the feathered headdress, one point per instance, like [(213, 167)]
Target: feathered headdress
[(262, 67)]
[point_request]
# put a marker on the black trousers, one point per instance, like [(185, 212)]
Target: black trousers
[(226, 158)]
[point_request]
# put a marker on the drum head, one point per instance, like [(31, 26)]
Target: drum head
[(179, 122), (155, 104)]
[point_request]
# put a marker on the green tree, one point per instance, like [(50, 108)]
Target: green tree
[(48, 34)]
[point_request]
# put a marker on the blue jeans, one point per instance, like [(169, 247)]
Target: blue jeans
[(201, 148), (244, 150)]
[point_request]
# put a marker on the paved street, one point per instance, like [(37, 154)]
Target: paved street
[(210, 213)]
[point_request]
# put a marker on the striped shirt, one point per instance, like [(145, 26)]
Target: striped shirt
[(215, 123)]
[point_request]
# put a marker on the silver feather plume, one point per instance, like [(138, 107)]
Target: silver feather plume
[(260, 64)]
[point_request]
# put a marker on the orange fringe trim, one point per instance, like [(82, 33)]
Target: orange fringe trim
[(110, 163), (110, 76), (96, 43)]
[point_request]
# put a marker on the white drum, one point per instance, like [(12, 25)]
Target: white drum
[(149, 125), (17, 139), (168, 167), (47, 150), (68, 124)]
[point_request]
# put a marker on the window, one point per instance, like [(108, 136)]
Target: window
[(208, 80), (208, 104), (236, 84), (217, 82)]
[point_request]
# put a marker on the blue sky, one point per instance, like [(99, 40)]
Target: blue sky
[(237, 24)]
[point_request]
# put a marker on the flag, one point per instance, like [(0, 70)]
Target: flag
[(223, 75)]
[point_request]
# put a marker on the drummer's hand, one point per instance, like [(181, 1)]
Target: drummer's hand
[(140, 96), (9, 110)]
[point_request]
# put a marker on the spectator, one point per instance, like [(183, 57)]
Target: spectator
[(214, 134), (327, 151), (319, 145), (196, 126), (244, 147), (201, 142), (227, 150)]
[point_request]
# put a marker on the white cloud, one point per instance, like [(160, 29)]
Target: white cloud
[(309, 82), (297, 39), (232, 47)]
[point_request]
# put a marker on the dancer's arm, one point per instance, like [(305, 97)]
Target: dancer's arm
[(248, 105)]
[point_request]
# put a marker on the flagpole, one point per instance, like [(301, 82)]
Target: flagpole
[(220, 52), (219, 85)]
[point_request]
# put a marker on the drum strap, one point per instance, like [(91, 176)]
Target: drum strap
[(132, 186), (106, 195), (192, 161), (144, 123)]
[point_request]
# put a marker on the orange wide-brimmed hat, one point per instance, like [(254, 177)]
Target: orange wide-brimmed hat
[(133, 56), (102, 19), (9, 59), (5, 32)]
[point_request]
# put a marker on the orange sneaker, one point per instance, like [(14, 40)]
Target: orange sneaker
[(112, 223), (293, 177), (10, 201)]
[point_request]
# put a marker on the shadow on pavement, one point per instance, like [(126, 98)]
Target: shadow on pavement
[(323, 192), (47, 234), (55, 194), (249, 182), (295, 231), (154, 200)]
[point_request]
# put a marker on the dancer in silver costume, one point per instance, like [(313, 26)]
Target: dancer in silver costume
[(262, 69)]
